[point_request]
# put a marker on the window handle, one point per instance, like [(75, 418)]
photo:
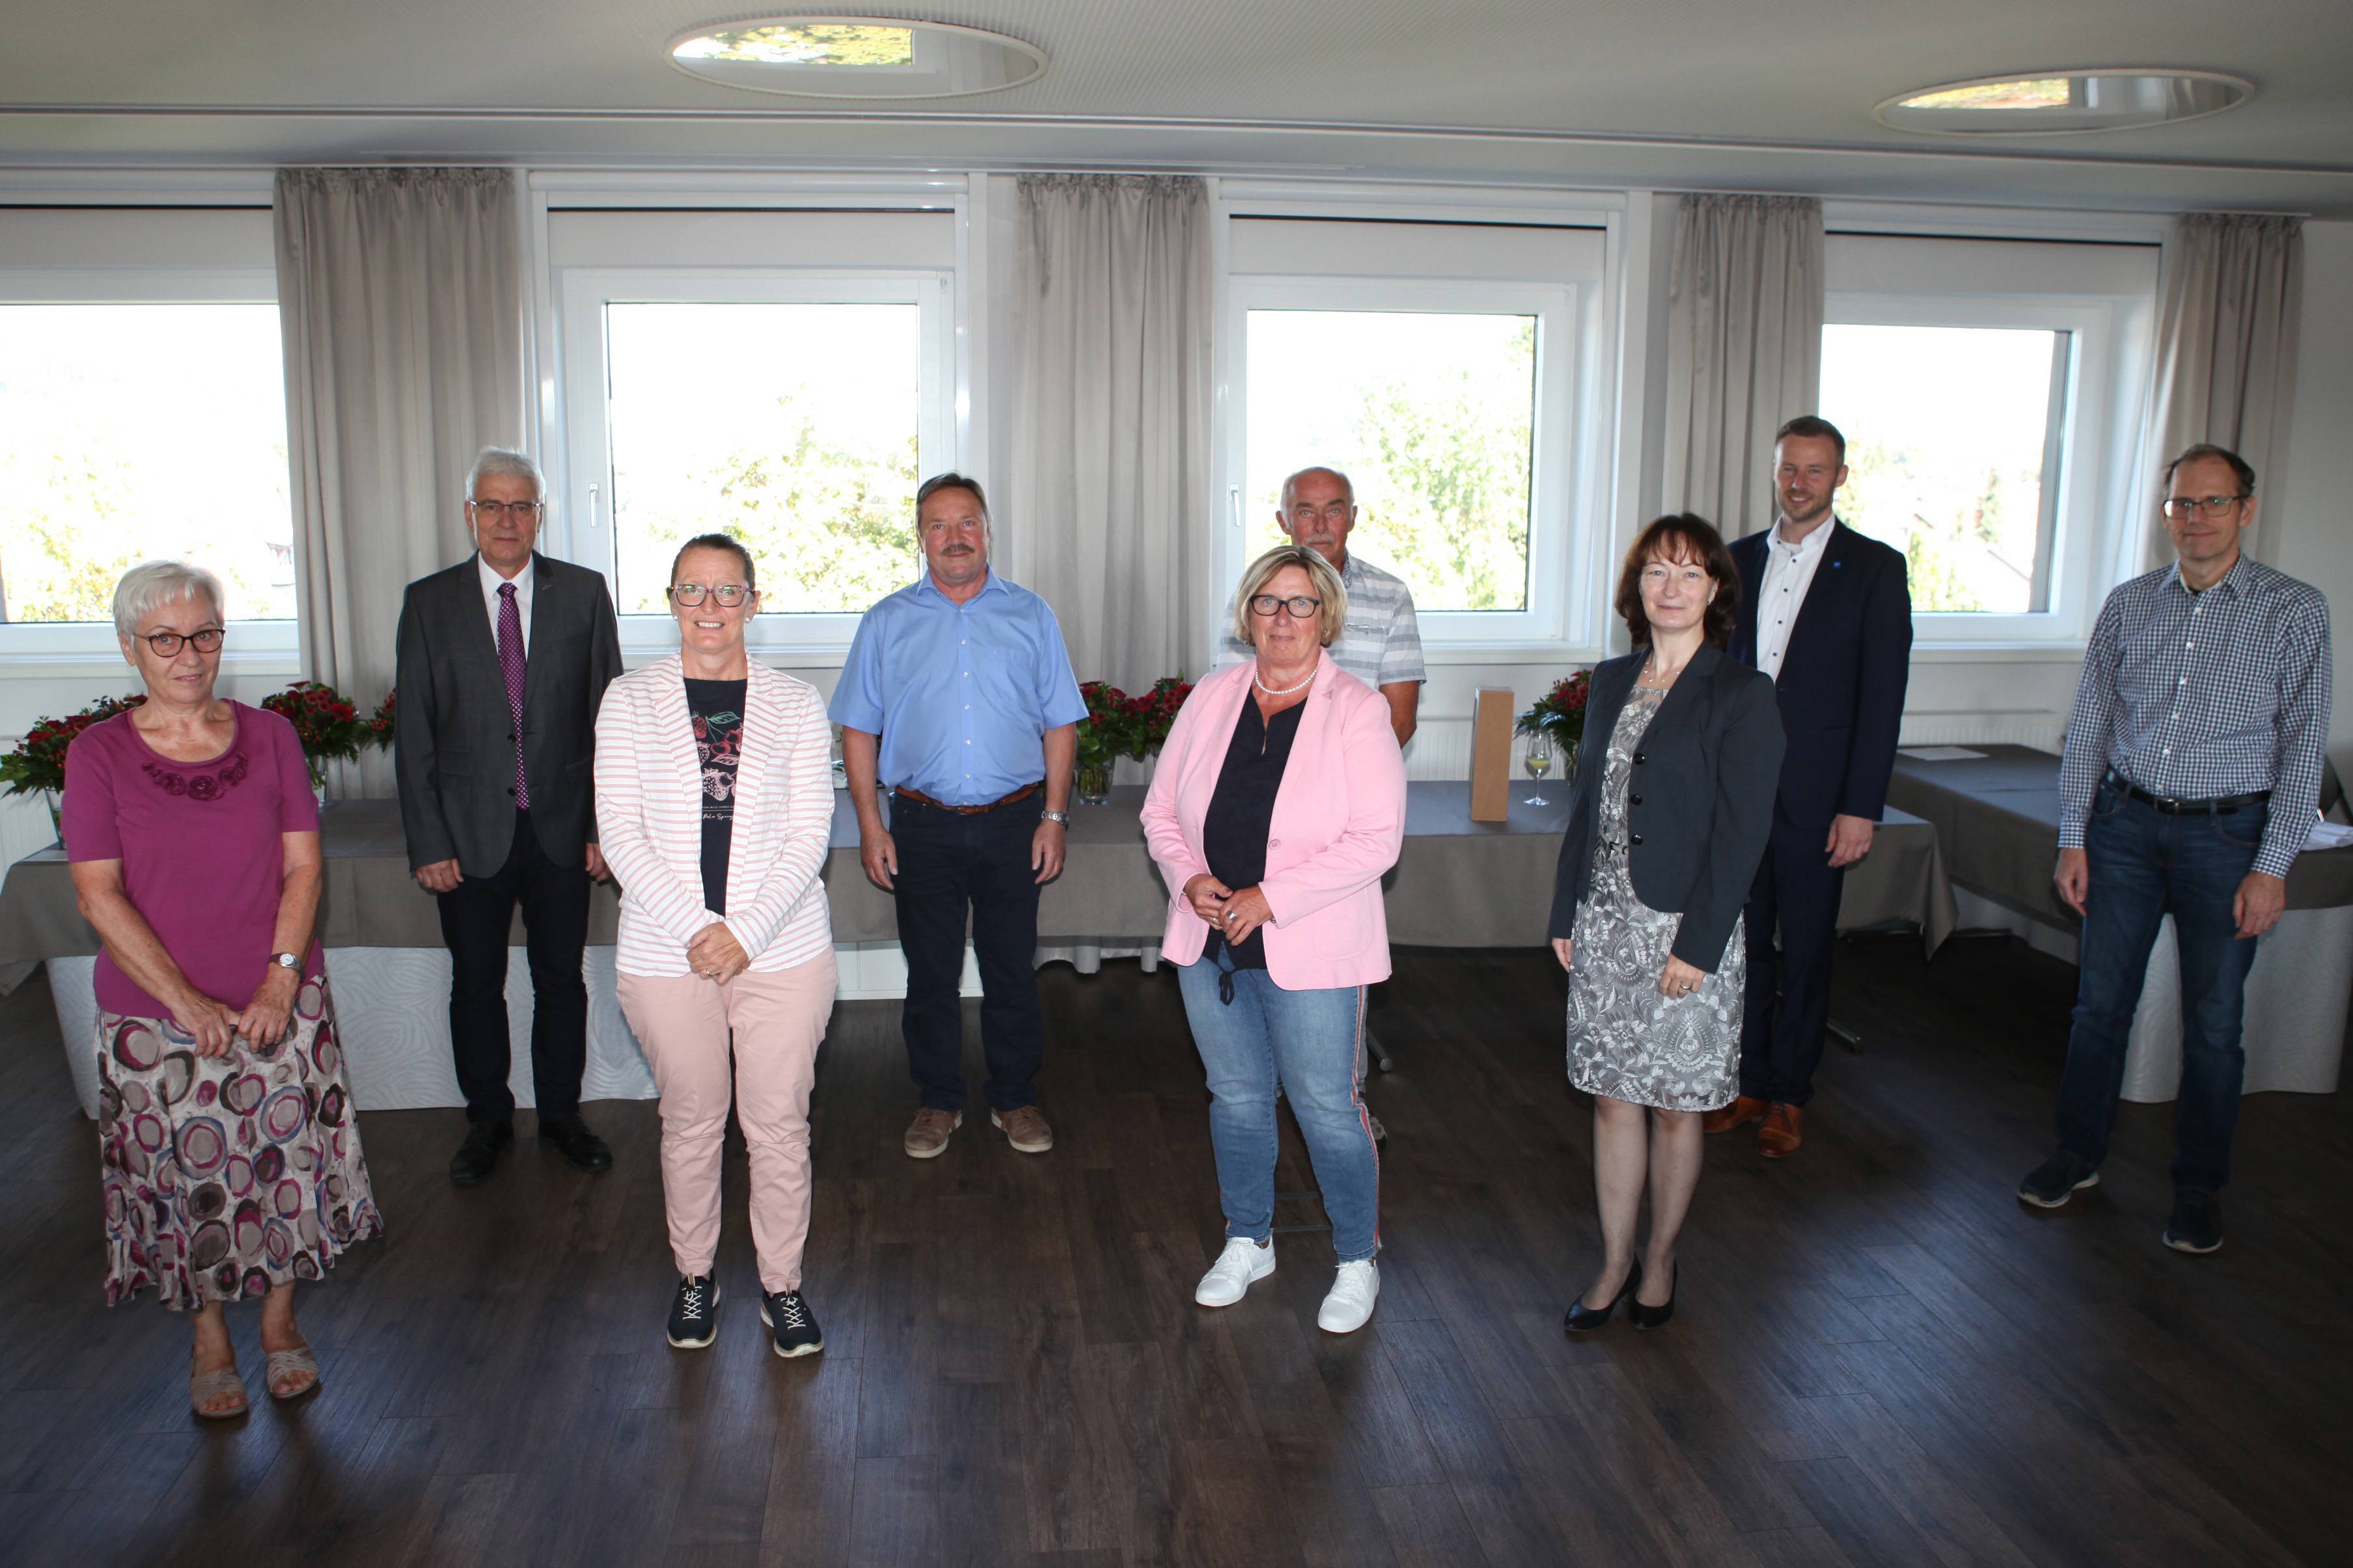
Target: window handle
[(1234, 504)]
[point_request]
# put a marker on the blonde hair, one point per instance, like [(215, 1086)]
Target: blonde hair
[(1261, 572)]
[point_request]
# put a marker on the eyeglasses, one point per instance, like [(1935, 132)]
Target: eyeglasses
[(167, 643), (1337, 512), (2183, 508), (1300, 607), (521, 510), (691, 594)]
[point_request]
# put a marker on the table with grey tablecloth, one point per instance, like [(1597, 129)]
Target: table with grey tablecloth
[(1458, 883), (1997, 814)]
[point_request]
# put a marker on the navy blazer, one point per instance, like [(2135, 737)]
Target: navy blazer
[(1695, 830), (1842, 682)]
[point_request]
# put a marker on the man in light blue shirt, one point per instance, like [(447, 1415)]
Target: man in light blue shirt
[(958, 699)]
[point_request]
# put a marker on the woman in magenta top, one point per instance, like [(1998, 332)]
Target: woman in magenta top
[(230, 1164)]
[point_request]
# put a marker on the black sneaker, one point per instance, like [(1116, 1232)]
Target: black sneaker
[(2056, 1180), (787, 1312), (2196, 1225), (694, 1315)]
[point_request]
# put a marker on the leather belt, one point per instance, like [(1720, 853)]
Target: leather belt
[(920, 798), (2172, 807)]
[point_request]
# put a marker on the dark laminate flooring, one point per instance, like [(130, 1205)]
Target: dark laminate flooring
[(1878, 1357)]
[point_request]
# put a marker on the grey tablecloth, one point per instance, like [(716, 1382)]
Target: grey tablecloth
[(1997, 816), (1459, 883)]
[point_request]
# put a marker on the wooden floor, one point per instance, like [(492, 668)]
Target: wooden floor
[(1878, 1357)]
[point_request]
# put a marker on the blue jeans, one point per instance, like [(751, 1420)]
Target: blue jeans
[(1306, 1040), (2145, 865)]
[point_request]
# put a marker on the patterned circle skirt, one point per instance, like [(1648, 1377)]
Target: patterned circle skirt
[(224, 1175)]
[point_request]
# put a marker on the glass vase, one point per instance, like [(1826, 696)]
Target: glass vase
[(1094, 782)]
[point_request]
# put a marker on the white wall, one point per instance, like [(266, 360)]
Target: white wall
[(2307, 504)]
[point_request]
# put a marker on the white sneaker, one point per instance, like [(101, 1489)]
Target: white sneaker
[(1242, 1264), (1350, 1305)]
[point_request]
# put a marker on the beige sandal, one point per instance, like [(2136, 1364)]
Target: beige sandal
[(284, 1361), (205, 1386)]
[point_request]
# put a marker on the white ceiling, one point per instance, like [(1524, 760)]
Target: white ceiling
[(1722, 94)]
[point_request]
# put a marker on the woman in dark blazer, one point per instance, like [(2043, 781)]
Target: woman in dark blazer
[(1667, 820)]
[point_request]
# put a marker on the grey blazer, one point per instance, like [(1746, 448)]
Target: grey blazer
[(1700, 802), (453, 741)]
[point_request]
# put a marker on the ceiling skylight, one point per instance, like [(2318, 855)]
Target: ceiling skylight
[(855, 56), (2047, 103)]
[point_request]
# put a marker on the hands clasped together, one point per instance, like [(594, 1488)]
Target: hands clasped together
[(215, 1025), (1237, 914)]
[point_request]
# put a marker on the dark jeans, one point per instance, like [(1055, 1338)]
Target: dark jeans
[(2145, 865), (475, 919), (951, 865), (1789, 1002)]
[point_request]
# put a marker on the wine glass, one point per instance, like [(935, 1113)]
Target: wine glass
[(1537, 760)]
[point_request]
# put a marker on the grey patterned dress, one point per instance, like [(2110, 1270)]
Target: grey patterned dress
[(1625, 1039)]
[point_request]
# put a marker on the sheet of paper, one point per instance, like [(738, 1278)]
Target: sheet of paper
[(1940, 753), (2329, 835)]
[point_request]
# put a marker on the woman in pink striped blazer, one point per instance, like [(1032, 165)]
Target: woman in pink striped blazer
[(1278, 803), (714, 799)]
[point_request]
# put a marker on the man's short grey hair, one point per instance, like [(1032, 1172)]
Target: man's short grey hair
[(506, 460), (1290, 485), (151, 584)]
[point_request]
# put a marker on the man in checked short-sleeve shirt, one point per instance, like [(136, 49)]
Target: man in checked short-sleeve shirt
[(2192, 768)]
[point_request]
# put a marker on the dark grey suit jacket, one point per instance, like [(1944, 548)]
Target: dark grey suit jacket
[(453, 744), (1703, 774)]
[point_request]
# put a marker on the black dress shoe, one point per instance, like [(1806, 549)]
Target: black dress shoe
[(1643, 1317), (1584, 1319), (581, 1148), (480, 1151)]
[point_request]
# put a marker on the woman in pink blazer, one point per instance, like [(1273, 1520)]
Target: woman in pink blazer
[(1278, 804), (714, 799)]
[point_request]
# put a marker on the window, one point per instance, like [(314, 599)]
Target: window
[(1449, 371), (1432, 416), (1988, 389), (710, 387), (1954, 439), (106, 460), (796, 427)]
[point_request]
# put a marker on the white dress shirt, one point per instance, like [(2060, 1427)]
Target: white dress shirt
[(492, 584), (1788, 572)]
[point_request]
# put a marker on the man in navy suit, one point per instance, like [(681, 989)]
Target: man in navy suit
[(1828, 614)]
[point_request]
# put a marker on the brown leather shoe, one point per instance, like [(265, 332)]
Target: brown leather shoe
[(1739, 1113), (1784, 1130), (1025, 1128), (927, 1135)]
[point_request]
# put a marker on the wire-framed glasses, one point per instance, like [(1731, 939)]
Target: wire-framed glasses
[(523, 510), (2186, 507)]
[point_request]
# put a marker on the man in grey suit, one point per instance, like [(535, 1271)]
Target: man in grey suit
[(503, 661)]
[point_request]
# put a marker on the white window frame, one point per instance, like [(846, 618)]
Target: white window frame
[(1973, 282), (255, 648), (584, 532)]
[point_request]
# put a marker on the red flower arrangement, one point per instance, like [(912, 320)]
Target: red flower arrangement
[(380, 727), (1560, 712), (1118, 725), (326, 723), (38, 763)]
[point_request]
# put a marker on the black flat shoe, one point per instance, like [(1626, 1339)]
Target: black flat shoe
[(485, 1140), (1643, 1317), (581, 1149), (1584, 1319)]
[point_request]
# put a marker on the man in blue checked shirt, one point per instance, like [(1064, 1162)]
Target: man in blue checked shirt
[(958, 699), (2192, 770)]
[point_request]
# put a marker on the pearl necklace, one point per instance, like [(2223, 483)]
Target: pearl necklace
[(1287, 690)]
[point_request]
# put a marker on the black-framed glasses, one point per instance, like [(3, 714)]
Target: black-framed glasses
[(691, 594), (2186, 507), (167, 643), (1299, 606), (523, 510)]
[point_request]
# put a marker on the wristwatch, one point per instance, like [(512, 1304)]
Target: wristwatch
[(1061, 816), (286, 960)]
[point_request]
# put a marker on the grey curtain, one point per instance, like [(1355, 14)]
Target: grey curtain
[(400, 303), (2225, 370), (1111, 458), (1743, 349)]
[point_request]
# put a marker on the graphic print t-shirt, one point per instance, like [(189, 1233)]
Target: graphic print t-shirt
[(717, 707)]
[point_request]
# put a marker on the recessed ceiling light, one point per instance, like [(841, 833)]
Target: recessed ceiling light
[(855, 56), (2053, 104)]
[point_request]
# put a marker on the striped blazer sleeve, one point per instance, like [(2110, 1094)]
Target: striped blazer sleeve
[(624, 729), (805, 823)]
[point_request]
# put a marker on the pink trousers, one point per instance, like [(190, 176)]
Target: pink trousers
[(773, 1023)]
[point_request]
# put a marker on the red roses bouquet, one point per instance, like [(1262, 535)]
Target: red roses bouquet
[(38, 763), (1560, 714), (326, 723)]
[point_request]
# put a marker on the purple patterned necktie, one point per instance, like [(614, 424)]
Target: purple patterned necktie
[(511, 665)]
